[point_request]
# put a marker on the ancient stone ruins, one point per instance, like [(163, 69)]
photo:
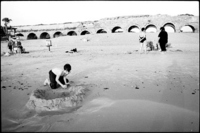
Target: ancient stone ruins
[(124, 24)]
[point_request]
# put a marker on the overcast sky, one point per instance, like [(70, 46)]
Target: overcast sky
[(47, 12)]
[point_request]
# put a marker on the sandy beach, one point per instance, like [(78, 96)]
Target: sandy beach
[(128, 91)]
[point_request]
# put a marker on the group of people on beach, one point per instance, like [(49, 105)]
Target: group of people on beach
[(58, 77), (162, 40)]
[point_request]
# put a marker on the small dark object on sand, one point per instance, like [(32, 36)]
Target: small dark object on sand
[(137, 87), (74, 50), (178, 50), (25, 52), (105, 88), (71, 51)]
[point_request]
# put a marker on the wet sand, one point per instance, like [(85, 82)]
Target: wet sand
[(128, 91)]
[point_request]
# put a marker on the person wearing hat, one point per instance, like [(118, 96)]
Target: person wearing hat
[(163, 39)]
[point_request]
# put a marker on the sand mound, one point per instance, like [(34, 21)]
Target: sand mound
[(50, 100)]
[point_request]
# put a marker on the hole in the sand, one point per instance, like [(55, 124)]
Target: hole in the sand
[(47, 95), (56, 100)]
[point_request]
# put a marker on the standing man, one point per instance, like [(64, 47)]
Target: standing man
[(163, 39)]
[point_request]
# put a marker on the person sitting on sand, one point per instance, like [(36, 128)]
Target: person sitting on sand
[(11, 44), (142, 40), (19, 45), (58, 77)]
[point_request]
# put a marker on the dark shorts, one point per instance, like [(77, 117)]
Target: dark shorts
[(141, 41), (10, 47), (52, 78)]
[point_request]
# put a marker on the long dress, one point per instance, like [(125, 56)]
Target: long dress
[(163, 40)]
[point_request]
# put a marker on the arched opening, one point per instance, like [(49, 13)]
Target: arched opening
[(85, 32), (187, 29), (134, 29), (169, 27), (72, 33), (31, 36), (19, 34), (117, 29), (57, 34), (101, 31), (44, 35), (151, 28)]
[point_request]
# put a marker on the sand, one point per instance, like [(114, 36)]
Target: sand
[(128, 91)]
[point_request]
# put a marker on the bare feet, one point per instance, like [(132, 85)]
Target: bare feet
[(46, 82)]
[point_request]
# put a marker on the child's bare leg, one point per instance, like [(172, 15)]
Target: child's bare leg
[(145, 47), (140, 48), (47, 82)]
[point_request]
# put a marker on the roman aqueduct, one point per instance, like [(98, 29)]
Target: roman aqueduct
[(126, 24)]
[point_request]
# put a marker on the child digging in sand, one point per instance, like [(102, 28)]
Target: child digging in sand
[(58, 77)]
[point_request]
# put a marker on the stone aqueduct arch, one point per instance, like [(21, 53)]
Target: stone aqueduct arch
[(101, 31), (57, 34), (84, 32), (32, 36), (151, 26), (117, 29), (129, 27), (170, 24), (132, 27), (72, 33)]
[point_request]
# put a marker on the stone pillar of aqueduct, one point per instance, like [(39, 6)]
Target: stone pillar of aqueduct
[(109, 25)]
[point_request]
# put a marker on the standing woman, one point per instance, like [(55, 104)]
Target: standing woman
[(162, 39), (142, 40)]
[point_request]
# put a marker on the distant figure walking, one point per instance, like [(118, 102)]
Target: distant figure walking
[(162, 39), (142, 40)]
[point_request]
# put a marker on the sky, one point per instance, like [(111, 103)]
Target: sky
[(49, 12)]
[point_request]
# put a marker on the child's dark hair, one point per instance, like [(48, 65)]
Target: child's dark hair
[(67, 67), (143, 29)]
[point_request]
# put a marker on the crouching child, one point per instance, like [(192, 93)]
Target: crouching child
[(58, 77)]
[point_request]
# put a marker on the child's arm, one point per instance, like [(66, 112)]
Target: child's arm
[(57, 80), (64, 78)]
